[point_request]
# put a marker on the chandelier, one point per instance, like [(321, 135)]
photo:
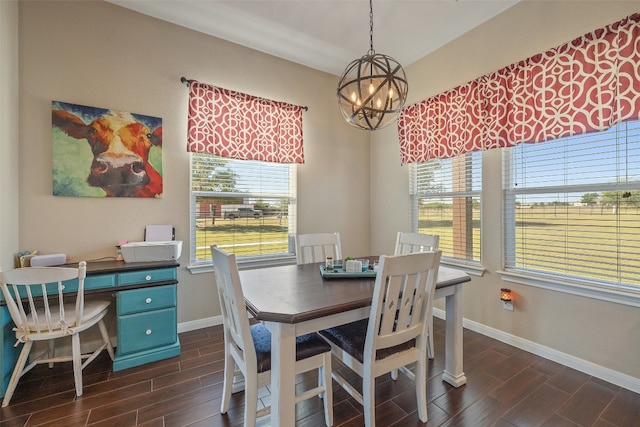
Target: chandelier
[(372, 89)]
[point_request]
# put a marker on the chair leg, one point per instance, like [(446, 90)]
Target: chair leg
[(421, 387), (369, 398), (250, 399), (430, 348), (77, 362), (328, 389), (17, 372), (227, 387), (106, 338), (52, 352)]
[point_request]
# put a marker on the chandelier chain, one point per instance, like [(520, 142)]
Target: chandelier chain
[(371, 51), (372, 89)]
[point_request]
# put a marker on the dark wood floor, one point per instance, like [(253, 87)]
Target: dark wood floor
[(506, 387)]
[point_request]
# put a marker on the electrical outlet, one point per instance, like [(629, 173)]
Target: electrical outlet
[(507, 305)]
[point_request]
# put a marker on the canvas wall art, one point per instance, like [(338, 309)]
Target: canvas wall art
[(99, 152)]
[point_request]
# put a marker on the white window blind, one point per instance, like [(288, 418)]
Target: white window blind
[(246, 207), (445, 200), (572, 207)]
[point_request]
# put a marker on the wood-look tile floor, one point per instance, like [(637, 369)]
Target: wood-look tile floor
[(506, 387)]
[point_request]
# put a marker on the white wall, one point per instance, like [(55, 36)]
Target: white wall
[(557, 324)]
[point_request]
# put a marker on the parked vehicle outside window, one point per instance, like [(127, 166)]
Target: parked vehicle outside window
[(244, 213)]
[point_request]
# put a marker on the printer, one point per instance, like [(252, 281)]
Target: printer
[(158, 246)]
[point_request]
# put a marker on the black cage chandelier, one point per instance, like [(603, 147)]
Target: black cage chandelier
[(372, 89)]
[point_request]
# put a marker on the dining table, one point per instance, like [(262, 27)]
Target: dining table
[(294, 300)]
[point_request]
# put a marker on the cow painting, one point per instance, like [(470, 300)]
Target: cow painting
[(100, 152)]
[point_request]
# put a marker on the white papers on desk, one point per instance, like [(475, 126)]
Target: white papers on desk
[(159, 233)]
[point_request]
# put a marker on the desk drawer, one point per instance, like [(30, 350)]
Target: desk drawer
[(144, 331), (146, 299), (147, 276), (99, 281), (90, 282)]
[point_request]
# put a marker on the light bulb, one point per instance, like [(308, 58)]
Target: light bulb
[(354, 97), (371, 88), (378, 103)]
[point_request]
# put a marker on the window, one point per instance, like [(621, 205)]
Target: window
[(445, 200), (572, 208), (246, 207)]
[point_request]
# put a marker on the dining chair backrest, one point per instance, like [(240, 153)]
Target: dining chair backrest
[(395, 333), (247, 348), (402, 302), (25, 289), (407, 243), (234, 312), (311, 248)]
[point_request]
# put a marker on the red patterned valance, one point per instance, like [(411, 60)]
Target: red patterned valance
[(240, 126), (586, 85)]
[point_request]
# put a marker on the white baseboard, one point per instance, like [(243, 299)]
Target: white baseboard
[(199, 324), (590, 368)]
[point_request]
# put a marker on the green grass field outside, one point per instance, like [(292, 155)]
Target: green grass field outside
[(581, 241), (586, 241)]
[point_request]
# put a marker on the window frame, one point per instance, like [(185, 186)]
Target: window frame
[(245, 261), (607, 290), (415, 195)]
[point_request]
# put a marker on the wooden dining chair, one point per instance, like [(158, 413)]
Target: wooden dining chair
[(41, 311), (317, 247), (394, 335), (247, 348), (407, 243)]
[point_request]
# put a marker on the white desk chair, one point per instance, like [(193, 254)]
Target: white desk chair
[(394, 335), (407, 243), (41, 314), (317, 247), (248, 347)]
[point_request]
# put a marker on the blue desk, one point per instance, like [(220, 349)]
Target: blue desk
[(146, 312)]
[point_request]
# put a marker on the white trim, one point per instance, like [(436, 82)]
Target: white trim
[(581, 288), (199, 324), (472, 268), (614, 377), (200, 268), (245, 263)]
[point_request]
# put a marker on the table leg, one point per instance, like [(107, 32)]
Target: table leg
[(453, 373), (283, 358)]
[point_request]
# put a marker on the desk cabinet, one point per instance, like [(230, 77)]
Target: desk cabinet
[(147, 326), (146, 313)]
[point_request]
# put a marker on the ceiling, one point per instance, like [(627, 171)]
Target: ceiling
[(327, 34)]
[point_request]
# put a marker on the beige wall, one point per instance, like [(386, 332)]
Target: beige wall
[(8, 132), (98, 54), (607, 334)]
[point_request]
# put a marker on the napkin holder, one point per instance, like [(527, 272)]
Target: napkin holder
[(353, 266)]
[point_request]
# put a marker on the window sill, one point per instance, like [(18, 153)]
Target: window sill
[(244, 264), (475, 269), (585, 288)]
